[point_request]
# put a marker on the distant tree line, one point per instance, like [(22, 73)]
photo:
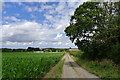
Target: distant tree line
[(95, 29), (31, 49)]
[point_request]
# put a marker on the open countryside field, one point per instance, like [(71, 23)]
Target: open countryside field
[(28, 64), (78, 39)]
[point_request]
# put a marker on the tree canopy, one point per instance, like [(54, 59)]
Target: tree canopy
[(95, 29)]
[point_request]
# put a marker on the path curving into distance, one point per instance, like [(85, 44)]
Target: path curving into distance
[(72, 70)]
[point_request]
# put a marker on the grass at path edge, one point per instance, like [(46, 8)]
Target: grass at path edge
[(56, 72), (104, 69)]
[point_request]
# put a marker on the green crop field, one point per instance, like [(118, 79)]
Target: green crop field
[(28, 64)]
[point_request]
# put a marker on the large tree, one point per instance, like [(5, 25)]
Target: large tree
[(95, 28), (84, 25)]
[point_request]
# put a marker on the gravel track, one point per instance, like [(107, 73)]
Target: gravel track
[(72, 70)]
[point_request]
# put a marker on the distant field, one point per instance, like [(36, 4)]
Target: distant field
[(28, 64)]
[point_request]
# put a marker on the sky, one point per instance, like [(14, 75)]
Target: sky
[(36, 24)]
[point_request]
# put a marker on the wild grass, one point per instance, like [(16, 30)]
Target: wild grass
[(0, 65), (56, 75), (104, 69)]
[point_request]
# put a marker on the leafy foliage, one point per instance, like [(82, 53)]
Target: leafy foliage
[(95, 29)]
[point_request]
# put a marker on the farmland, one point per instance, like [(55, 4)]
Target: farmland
[(28, 64)]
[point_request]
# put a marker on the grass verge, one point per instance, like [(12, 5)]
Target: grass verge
[(58, 71), (104, 69), (0, 65), (55, 72)]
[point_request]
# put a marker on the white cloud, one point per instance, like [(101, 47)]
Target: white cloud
[(4, 12), (17, 14), (19, 3), (32, 34), (1, 35), (58, 36), (29, 33), (26, 31), (48, 17), (0, 7), (50, 0), (38, 44), (29, 9), (11, 18), (46, 7)]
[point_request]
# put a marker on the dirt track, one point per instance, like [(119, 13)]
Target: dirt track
[(72, 70)]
